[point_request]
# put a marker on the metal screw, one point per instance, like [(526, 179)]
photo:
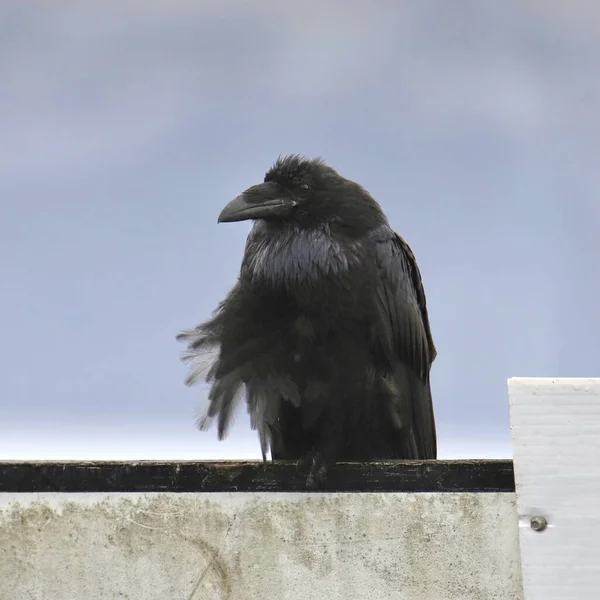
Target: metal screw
[(538, 523)]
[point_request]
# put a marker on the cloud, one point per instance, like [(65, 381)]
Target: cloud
[(100, 83)]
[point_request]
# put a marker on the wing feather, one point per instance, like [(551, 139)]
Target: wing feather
[(403, 335)]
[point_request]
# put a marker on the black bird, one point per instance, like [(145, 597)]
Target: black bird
[(326, 330)]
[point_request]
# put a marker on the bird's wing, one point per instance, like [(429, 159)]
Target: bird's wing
[(402, 333)]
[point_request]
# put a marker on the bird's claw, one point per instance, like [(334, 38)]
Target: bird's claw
[(305, 463), (317, 468)]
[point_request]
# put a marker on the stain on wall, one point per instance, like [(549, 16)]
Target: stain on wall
[(274, 546)]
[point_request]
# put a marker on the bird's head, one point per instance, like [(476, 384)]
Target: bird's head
[(305, 191)]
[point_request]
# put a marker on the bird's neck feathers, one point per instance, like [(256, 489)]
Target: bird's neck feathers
[(286, 253)]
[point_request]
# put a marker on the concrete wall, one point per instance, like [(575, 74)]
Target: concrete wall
[(272, 546)]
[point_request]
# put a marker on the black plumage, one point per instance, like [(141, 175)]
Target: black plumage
[(326, 331)]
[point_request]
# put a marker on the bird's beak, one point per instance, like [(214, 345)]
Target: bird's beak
[(261, 201)]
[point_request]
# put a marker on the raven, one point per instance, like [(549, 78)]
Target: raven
[(326, 330)]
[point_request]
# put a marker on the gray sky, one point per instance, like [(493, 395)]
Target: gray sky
[(125, 127)]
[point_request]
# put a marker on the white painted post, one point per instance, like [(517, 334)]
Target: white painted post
[(555, 427)]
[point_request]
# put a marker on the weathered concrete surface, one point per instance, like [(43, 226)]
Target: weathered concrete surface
[(269, 546)]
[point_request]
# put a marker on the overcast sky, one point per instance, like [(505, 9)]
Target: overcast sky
[(125, 128)]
